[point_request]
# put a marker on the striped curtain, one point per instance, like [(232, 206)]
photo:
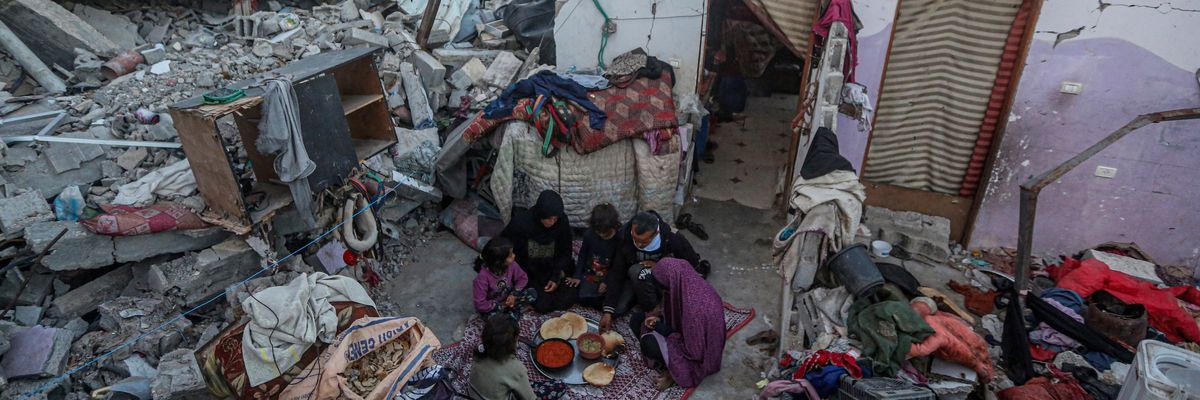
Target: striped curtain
[(943, 63), (794, 18)]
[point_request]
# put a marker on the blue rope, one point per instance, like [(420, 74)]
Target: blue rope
[(274, 264)]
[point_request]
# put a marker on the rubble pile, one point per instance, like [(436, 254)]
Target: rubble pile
[(99, 206), (941, 321)]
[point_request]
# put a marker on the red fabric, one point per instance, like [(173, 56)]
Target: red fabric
[(1040, 353), (1057, 272), (1040, 388), (952, 340), (825, 357), (841, 11), (646, 104), (1161, 305), (129, 221), (977, 301)]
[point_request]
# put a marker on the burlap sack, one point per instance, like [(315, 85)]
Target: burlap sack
[(347, 364)]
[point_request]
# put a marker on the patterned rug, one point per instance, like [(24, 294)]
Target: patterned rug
[(634, 379)]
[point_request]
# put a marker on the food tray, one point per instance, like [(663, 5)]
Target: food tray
[(572, 374)]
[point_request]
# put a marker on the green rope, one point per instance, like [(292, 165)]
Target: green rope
[(604, 32)]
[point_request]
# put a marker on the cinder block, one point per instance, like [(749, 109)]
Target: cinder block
[(919, 234)]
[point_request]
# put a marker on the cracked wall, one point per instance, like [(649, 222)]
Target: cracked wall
[(1132, 57), (670, 30)]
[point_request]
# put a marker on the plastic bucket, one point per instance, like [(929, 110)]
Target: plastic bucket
[(881, 248), (854, 269)]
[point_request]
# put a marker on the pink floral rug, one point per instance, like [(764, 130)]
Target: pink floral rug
[(634, 379)]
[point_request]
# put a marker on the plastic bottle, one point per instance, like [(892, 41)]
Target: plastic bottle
[(68, 206)]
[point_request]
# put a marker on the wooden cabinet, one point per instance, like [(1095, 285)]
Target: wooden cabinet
[(344, 119)]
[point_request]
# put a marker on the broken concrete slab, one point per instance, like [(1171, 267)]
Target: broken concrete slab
[(64, 157), (502, 71), (179, 377), (117, 28), (356, 37), (84, 299), (18, 212), (124, 318), (164, 130), (418, 100), (77, 326), (27, 315), (431, 69), (462, 56), (1136, 268), (200, 276), (52, 32), (141, 247), (37, 352), (132, 157), (36, 290), (154, 54), (919, 234), (38, 176), (78, 248)]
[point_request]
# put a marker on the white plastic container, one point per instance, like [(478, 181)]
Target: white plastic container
[(881, 249), (1162, 371)]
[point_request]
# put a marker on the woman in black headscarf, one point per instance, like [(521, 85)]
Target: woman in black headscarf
[(541, 238)]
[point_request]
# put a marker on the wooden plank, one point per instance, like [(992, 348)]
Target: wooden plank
[(247, 125), (355, 102), (374, 122), (214, 176), (326, 134), (358, 76), (893, 197), (366, 148)]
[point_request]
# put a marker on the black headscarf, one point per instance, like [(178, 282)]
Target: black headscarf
[(526, 231)]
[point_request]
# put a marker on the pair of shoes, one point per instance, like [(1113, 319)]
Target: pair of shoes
[(684, 221)]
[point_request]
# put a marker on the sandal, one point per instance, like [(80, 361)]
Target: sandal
[(684, 221)]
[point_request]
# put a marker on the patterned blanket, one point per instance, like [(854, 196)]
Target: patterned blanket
[(634, 379), (644, 105)]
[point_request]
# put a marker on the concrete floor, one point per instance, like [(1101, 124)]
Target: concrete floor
[(751, 155), (439, 284)]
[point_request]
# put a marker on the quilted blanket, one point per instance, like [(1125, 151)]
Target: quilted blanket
[(626, 174), (644, 105)]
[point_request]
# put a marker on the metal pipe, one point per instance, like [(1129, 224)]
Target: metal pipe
[(29, 61), (1031, 188)]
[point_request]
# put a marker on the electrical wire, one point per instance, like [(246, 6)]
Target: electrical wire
[(56, 380)]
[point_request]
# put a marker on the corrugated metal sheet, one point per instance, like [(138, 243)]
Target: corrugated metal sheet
[(939, 78), (1000, 93), (794, 18)]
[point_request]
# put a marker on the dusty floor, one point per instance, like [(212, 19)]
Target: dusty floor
[(739, 248), (751, 153)]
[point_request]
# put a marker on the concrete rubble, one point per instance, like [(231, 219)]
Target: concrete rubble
[(91, 292)]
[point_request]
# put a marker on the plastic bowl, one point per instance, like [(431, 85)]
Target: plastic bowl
[(590, 340)]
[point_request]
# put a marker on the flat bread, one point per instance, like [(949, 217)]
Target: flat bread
[(556, 328), (599, 374), (578, 325), (612, 339)]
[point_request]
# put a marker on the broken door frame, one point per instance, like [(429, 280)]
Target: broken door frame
[(961, 211)]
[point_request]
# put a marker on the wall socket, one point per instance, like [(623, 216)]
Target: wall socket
[(1106, 172), (1070, 87)]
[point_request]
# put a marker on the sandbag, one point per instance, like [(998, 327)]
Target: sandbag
[(363, 364)]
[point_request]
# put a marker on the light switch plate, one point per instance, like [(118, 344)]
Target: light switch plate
[(1106, 172), (1071, 87)]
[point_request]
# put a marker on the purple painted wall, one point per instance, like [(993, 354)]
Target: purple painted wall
[(872, 51), (1154, 199)]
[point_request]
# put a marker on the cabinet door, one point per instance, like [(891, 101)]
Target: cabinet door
[(326, 133)]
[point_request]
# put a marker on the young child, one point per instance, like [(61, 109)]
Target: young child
[(500, 286), (595, 254), (497, 372)]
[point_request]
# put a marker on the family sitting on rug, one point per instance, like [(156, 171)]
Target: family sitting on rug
[(643, 264)]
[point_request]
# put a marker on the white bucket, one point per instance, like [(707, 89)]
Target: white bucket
[(881, 248)]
